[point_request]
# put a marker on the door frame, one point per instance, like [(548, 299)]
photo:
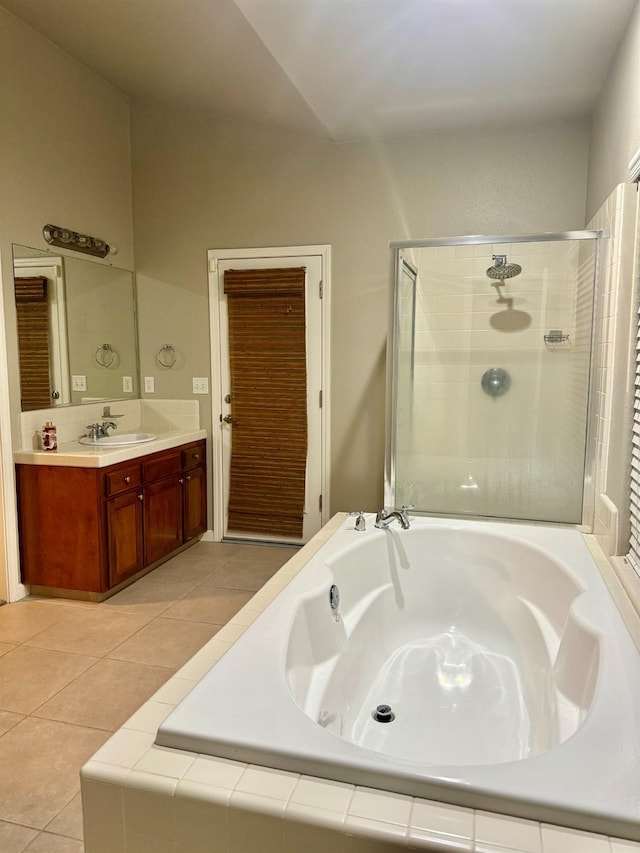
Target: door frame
[(272, 252)]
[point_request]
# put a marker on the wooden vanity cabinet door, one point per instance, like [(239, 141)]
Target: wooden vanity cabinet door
[(194, 490), (194, 500), (61, 527), (124, 535), (89, 529), (162, 518)]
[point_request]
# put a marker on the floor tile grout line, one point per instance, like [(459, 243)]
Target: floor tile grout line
[(107, 656), (227, 589), (58, 690), (46, 831), (170, 672), (58, 815)]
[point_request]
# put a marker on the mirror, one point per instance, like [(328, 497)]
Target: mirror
[(77, 335)]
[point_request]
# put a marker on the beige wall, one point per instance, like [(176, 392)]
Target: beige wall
[(201, 184), (64, 135), (615, 134), (65, 158)]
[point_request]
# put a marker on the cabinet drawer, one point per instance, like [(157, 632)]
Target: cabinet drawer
[(122, 478), (193, 455), (161, 465)]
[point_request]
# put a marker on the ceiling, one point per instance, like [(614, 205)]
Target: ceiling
[(347, 69)]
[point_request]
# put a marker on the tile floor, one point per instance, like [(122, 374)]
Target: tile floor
[(72, 672)]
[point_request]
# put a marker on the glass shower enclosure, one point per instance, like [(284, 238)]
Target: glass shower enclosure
[(489, 366)]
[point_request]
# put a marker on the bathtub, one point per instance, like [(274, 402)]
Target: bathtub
[(507, 678)]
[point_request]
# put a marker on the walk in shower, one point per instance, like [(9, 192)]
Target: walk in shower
[(489, 376)]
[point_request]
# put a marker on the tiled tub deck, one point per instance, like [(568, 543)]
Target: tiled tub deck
[(141, 798)]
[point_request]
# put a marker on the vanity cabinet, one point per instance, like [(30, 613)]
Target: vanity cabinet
[(194, 491), (91, 529)]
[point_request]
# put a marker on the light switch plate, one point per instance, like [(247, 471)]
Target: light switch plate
[(127, 384), (78, 383), (149, 385), (200, 385)]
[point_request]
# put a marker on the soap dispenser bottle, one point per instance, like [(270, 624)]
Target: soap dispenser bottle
[(49, 437)]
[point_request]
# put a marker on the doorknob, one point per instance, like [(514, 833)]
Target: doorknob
[(227, 419)]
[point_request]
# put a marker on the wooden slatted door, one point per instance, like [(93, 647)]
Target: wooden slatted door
[(268, 391), (33, 342)]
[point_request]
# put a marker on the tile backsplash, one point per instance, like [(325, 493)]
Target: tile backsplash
[(157, 416)]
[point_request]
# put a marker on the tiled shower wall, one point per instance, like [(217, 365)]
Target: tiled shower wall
[(464, 451)]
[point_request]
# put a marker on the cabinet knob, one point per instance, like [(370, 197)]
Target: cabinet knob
[(181, 479), (140, 497), (127, 479), (188, 477), (196, 456)]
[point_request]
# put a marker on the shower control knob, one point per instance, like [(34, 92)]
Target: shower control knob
[(495, 381)]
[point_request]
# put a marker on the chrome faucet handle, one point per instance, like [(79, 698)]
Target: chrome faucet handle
[(360, 520), (108, 425), (404, 515)]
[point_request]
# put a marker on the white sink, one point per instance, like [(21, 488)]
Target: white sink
[(118, 440)]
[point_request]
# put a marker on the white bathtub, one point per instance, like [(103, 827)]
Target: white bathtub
[(514, 682)]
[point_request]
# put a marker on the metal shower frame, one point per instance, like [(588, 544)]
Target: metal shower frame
[(397, 247)]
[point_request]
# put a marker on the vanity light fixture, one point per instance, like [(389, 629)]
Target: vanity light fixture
[(65, 238)]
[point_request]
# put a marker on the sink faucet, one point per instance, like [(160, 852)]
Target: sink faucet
[(384, 518), (97, 431)]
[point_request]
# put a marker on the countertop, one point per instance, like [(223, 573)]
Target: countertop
[(76, 455)]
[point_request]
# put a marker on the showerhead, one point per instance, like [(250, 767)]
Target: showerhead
[(501, 269)]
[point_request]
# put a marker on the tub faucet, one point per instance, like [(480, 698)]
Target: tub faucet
[(384, 518)]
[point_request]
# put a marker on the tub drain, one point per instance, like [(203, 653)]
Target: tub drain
[(383, 714)]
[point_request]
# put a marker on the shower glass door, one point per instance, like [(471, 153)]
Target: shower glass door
[(490, 365)]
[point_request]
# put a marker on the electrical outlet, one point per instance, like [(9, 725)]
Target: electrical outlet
[(78, 383), (149, 385), (127, 384), (200, 385)]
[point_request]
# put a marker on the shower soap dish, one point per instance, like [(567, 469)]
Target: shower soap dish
[(556, 336)]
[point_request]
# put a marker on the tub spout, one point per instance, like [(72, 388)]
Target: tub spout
[(384, 518)]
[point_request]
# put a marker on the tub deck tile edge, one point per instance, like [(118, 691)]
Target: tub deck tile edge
[(114, 763)]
